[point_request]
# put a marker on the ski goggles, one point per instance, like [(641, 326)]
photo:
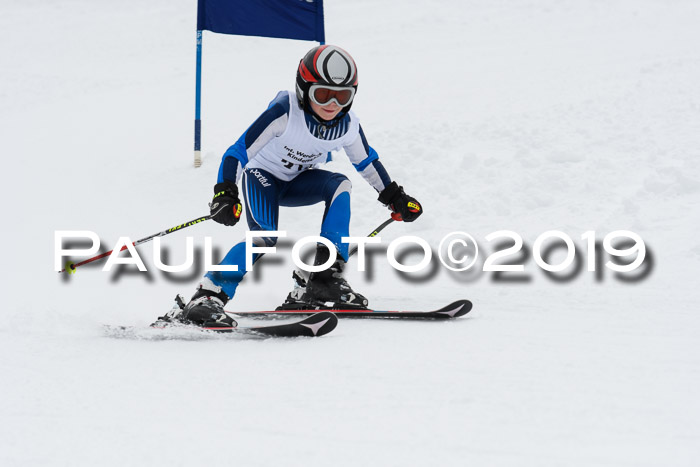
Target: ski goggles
[(324, 95)]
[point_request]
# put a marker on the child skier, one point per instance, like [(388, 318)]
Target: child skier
[(276, 160)]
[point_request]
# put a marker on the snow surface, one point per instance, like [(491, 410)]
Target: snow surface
[(519, 115)]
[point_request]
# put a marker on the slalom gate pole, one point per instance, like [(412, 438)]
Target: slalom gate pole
[(70, 267), (198, 104)]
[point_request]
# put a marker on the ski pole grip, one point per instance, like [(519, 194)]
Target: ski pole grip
[(396, 216)]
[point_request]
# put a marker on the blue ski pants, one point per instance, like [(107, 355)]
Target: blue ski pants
[(263, 194)]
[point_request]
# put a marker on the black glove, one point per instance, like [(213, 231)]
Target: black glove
[(406, 206), (226, 207)]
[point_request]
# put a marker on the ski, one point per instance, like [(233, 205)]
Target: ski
[(317, 325), (453, 310)]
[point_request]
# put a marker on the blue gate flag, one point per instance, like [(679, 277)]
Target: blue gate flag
[(286, 19)]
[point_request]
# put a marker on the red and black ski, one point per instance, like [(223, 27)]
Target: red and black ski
[(316, 325), (453, 310)]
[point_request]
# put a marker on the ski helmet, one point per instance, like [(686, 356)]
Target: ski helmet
[(326, 65)]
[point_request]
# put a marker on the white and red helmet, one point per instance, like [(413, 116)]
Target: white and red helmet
[(332, 74)]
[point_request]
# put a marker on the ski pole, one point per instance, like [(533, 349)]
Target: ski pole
[(70, 266), (394, 217)]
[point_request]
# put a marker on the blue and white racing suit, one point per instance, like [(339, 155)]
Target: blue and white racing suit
[(277, 161)]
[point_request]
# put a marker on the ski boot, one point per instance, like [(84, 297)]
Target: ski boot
[(206, 308), (297, 298), (174, 316), (328, 289)]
